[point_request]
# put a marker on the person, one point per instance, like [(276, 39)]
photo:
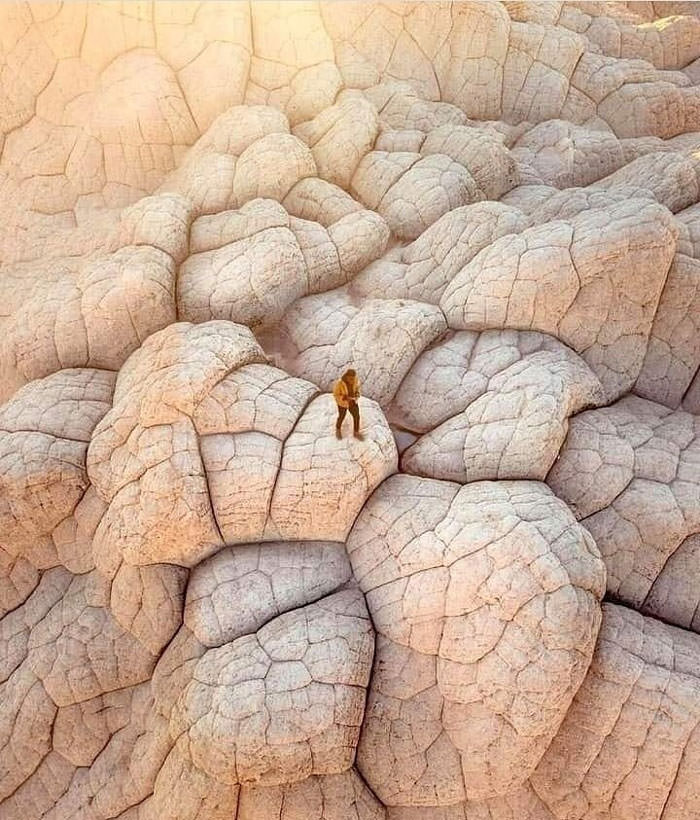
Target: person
[(346, 392)]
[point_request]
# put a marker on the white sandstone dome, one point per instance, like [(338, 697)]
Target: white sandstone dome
[(483, 607)]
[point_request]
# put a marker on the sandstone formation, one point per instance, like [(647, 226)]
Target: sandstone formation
[(485, 607)]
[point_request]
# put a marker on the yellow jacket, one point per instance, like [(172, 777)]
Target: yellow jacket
[(342, 394)]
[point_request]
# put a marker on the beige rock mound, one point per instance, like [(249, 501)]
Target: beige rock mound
[(265, 580), (382, 338), (455, 371), (636, 757), (673, 355), (485, 600), (211, 608), (423, 269), (449, 167), (227, 450), (568, 278), (564, 155), (79, 650), (340, 136), (630, 474), (246, 153), (45, 430), (515, 427), (90, 299), (283, 703), (330, 797), (250, 265)]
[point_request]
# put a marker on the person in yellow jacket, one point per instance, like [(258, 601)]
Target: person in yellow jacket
[(346, 392)]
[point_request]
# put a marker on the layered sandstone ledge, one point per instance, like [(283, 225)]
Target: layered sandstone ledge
[(210, 607)]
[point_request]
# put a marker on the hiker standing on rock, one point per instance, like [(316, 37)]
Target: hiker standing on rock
[(346, 392)]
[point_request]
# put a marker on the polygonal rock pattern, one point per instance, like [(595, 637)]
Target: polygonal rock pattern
[(631, 474), (330, 797), (673, 356), (211, 607), (284, 703), (264, 580), (423, 269), (471, 591), (183, 470), (93, 307), (568, 278), (249, 265), (634, 758), (341, 332), (451, 166), (515, 428), (44, 434)]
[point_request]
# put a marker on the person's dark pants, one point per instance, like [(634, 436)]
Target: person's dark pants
[(354, 412)]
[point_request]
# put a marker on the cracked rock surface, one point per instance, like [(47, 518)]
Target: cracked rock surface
[(484, 607)]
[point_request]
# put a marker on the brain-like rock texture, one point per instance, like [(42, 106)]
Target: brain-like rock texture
[(472, 591), (485, 605)]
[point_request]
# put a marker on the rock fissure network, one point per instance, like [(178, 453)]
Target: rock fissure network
[(210, 607)]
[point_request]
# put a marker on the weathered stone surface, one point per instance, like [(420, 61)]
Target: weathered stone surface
[(671, 177), (564, 155), (286, 702), (673, 354), (156, 394), (412, 191), (250, 265), (44, 434), (92, 317), (264, 580), (469, 590), (184, 792), (186, 462), (208, 212), (630, 474), (424, 269), (514, 428), (522, 802), (630, 740), (381, 340), (450, 374), (79, 650), (673, 596), (136, 734), (329, 797), (572, 279), (340, 136)]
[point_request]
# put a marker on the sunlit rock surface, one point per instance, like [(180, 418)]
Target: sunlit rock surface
[(486, 607)]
